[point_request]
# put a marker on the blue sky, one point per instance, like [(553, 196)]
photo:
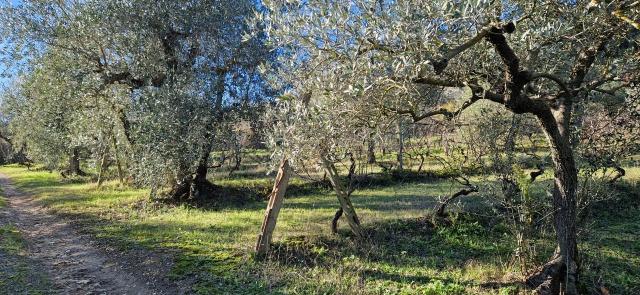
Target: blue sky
[(3, 67)]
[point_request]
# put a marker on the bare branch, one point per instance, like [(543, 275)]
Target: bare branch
[(437, 82), (441, 64), (554, 78)]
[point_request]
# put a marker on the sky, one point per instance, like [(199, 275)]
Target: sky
[(4, 81)]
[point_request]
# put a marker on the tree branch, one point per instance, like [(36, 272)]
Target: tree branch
[(554, 78), (441, 64)]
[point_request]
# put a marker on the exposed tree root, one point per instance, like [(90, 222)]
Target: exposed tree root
[(554, 278), (190, 189), (68, 172)]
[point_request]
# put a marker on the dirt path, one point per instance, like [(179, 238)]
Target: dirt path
[(77, 264)]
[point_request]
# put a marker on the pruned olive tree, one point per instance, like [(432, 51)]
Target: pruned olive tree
[(534, 57), (166, 71), (48, 115), (317, 133)]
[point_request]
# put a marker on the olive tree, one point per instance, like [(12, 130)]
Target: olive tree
[(534, 57), (47, 115), (164, 70)]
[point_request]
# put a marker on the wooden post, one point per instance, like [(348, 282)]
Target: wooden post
[(273, 209)]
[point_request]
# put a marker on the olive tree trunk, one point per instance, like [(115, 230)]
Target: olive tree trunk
[(73, 167), (400, 156), (371, 151), (104, 164), (343, 197), (560, 274)]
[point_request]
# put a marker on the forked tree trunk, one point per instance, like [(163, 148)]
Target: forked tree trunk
[(560, 274), (194, 185), (197, 185), (343, 197), (200, 186), (273, 208), (237, 156), (74, 163)]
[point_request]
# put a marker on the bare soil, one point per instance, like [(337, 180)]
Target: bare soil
[(74, 262)]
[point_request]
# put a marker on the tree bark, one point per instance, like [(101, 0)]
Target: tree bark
[(400, 155), (196, 184), (343, 197), (199, 185), (117, 156), (440, 212), (371, 151), (561, 273), (203, 163), (273, 208), (237, 156), (334, 221), (103, 164), (74, 163), (620, 172)]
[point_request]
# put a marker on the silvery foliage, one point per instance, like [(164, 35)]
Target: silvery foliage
[(361, 57), (50, 111), (117, 50), (169, 129)]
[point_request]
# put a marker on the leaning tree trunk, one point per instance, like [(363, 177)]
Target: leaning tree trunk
[(273, 208), (560, 274), (116, 154), (200, 185), (203, 163), (343, 197), (104, 164), (440, 212)]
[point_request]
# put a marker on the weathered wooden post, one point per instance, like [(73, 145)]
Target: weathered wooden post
[(273, 209)]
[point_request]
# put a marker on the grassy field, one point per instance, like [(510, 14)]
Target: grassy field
[(403, 254)]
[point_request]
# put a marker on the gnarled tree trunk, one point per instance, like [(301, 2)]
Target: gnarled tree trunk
[(560, 274), (343, 197), (200, 185), (74, 164), (196, 184)]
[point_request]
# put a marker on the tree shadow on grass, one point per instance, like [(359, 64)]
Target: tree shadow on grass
[(423, 279), (403, 242)]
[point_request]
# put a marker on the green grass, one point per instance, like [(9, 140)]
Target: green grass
[(403, 254), (3, 201), (18, 275)]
